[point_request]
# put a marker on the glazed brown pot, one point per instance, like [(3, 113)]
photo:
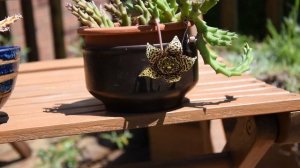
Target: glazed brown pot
[(113, 59)]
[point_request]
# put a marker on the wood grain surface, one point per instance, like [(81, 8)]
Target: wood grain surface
[(50, 99)]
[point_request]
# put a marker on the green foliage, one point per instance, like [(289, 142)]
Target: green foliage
[(61, 154), (137, 12), (238, 43), (284, 45), (4, 41), (121, 139), (8, 42), (65, 152), (142, 12), (75, 48), (282, 51), (4, 27), (89, 14), (216, 37), (277, 57)]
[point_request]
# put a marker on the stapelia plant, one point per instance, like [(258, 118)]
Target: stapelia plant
[(4, 24), (168, 64), (145, 12)]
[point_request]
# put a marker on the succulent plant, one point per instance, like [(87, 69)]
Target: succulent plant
[(4, 24), (145, 12)]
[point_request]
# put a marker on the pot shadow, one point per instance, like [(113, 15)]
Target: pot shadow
[(202, 105), (138, 149), (95, 107)]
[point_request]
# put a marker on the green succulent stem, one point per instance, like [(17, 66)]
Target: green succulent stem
[(145, 16), (207, 5), (155, 11), (166, 10), (142, 20), (173, 5), (146, 12), (110, 8), (88, 14), (209, 57), (125, 18), (185, 9), (85, 8)]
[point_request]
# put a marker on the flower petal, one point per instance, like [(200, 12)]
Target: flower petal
[(153, 53), (174, 48), (149, 72), (172, 79), (186, 62)]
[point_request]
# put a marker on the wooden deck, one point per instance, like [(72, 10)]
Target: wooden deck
[(50, 99)]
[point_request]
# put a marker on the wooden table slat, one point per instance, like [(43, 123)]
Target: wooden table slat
[(197, 93), (50, 99)]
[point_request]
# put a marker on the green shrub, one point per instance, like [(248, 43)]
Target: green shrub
[(63, 153), (277, 57)]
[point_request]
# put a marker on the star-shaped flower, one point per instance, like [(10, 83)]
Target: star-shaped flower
[(169, 63)]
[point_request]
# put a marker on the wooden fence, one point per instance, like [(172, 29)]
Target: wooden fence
[(228, 18), (229, 12), (29, 24)]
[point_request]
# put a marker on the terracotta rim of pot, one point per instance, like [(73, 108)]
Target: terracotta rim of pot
[(131, 29)]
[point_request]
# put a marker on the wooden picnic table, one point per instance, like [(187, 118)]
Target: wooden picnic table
[(50, 100)]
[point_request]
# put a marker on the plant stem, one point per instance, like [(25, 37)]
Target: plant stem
[(166, 10), (207, 5), (126, 20), (211, 58), (159, 34)]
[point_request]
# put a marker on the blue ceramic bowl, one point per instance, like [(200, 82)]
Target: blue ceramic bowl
[(9, 63)]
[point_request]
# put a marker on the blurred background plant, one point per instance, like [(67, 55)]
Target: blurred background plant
[(4, 41), (69, 152), (120, 139), (63, 153), (75, 48), (4, 36), (277, 57)]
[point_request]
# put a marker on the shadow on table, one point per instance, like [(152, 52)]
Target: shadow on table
[(95, 107), (138, 149), (202, 105)]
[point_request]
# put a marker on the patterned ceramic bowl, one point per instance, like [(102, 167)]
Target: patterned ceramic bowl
[(9, 63)]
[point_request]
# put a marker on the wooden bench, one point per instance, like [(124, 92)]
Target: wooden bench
[(50, 100), (228, 19)]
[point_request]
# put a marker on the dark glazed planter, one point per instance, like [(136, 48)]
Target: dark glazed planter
[(113, 59), (9, 63)]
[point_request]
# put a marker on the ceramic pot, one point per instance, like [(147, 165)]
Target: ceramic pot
[(114, 58), (9, 63)]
